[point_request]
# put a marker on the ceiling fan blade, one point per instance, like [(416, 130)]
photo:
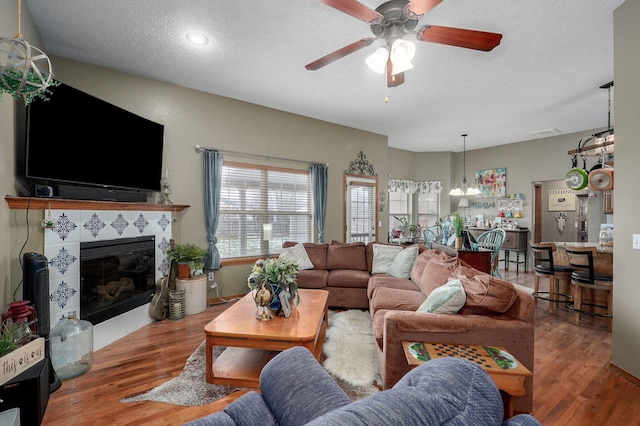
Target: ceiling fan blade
[(355, 9), (470, 39), (420, 7), (340, 53), (393, 80)]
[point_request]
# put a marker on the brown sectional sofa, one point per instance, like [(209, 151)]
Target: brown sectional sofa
[(341, 269), (495, 313)]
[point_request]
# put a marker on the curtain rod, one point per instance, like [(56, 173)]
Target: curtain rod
[(200, 149)]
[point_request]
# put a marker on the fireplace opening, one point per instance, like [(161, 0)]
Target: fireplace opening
[(116, 276)]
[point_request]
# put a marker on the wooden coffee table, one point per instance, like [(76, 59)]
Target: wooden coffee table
[(251, 343), (506, 371)]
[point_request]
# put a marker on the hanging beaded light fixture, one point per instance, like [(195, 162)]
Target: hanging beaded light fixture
[(24, 69)]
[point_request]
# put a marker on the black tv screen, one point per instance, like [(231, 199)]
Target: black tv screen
[(76, 138)]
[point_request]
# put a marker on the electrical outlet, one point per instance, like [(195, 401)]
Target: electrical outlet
[(213, 285), (636, 241), (211, 276)]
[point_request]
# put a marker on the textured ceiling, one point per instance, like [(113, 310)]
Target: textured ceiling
[(545, 74)]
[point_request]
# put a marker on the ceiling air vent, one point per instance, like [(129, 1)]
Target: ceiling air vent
[(545, 133)]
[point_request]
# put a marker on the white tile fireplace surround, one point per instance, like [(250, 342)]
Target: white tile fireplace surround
[(62, 250)]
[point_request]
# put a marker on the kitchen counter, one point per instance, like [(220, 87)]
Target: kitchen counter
[(603, 262)]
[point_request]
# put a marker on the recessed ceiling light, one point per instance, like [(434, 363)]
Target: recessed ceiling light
[(197, 38)]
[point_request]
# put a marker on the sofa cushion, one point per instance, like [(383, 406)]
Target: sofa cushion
[(383, 257), (420, 263), (444, 391), (403, 263), (312, 278), (347, 278), (317, 253), (436, 273), (297, 254), (447, 299), (486, 294), (384, 280), (397, 299), (347, 256)]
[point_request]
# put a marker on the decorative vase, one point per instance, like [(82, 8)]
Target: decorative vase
[(263, 297), (184, 270), (275, 304), (458, 243), (71, 347)]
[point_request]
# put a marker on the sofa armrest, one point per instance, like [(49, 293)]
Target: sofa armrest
[(515, 335), (294, 398)]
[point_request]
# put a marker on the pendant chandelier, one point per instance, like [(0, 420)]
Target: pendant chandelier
[(463, 189), (24, 69)]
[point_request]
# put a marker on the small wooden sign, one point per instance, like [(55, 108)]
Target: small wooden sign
[(23, 358)]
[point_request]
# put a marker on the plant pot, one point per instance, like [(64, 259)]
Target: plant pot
[(184, 270), (458, 243)]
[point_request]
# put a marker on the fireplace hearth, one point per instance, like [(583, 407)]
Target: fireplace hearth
[(116, 276)]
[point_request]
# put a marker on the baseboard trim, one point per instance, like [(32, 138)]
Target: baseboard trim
[(630, 377)]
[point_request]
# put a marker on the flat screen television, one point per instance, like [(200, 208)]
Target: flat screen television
[(75, 140)]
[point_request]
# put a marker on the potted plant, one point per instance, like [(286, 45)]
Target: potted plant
[(279, 274), (411, 230), (188, 257), (458, 226)]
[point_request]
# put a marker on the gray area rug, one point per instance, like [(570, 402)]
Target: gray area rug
[(349, 352)]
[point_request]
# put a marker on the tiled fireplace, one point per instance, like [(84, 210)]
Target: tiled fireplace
[(89, 232)]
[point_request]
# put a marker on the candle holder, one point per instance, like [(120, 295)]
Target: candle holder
[(49, 222), (177, 305), (165, 183)]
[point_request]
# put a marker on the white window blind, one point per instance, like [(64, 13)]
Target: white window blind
[(428, 209), (400, 205), (360, 210), (256, 195)]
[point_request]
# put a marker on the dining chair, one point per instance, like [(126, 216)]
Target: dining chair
[(544, 266), (492, 240), (586, 277), (432, 234)]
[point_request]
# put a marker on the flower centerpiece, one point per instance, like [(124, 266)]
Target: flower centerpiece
[(278, 273), (411, 230)]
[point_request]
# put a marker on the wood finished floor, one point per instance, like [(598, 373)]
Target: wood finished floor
[(573, 383)]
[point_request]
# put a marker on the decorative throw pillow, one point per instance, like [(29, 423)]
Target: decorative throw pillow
[(403, 263), (446, 299), (297, 254), (383, 257)]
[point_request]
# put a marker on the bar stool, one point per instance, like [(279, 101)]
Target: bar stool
[(557, 274), (585, 277)]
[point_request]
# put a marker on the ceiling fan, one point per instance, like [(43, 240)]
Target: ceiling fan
[(392, 21)]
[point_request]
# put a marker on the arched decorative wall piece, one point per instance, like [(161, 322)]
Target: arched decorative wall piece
[(361, 166)]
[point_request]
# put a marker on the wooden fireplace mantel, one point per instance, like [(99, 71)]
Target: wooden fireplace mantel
[(23, 203)]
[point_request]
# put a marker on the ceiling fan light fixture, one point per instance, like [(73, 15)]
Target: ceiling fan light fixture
[(402, 52), (377, 61)]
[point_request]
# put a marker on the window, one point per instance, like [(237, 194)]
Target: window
[(253, 196), (361, 208), (417, 202), (400, 206), (428, 209)]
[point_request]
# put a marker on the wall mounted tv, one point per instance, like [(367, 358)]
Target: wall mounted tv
[(87, 148)]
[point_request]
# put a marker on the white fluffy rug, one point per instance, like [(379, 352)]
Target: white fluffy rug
[(350, 358), (349, 348)]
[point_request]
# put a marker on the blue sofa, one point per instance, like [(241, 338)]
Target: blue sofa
[(296, 390)]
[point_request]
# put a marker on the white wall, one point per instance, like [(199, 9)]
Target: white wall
[(626, 294)]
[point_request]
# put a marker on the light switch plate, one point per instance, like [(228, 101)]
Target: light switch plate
[(636, 241)]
